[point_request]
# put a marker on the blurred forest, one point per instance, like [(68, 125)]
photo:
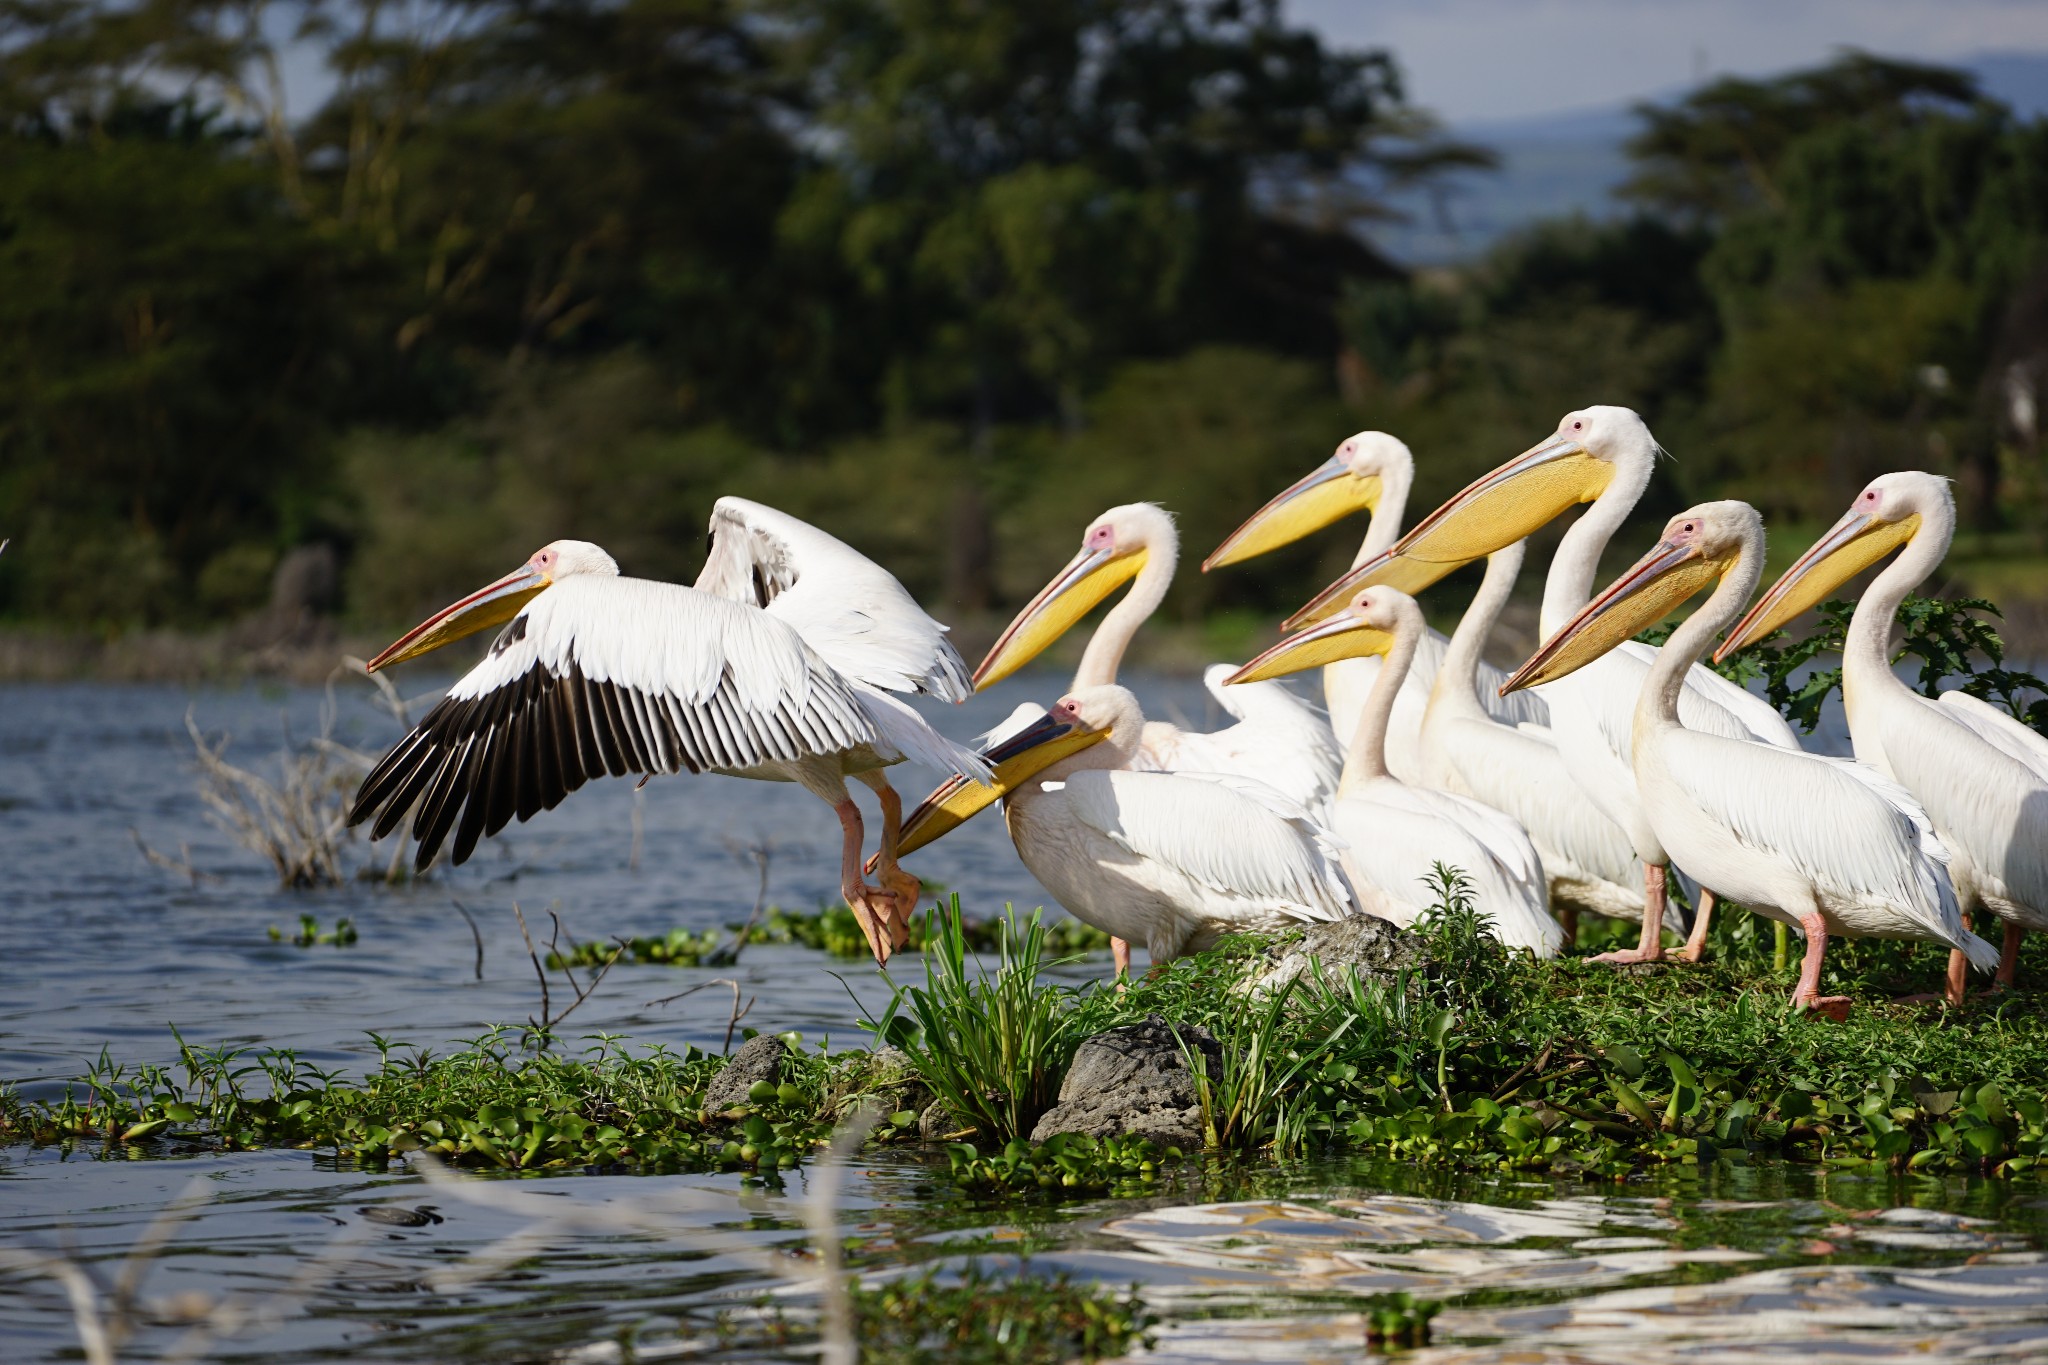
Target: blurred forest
[(946, 276)]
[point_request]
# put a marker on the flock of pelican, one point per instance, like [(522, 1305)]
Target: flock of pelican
[(1579, 782)]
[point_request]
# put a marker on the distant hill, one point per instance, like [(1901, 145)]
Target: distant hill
[(1553, 165)]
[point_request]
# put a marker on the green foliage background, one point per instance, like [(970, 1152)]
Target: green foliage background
[(947, 277)]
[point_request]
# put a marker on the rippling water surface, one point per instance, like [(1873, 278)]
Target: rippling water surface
[(99, 948)]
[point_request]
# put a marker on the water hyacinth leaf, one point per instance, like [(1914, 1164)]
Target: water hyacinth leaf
[(1626, 1058), (1680, 1072), (1632, 1103)]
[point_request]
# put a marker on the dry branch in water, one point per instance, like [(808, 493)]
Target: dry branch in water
[(298, 823)]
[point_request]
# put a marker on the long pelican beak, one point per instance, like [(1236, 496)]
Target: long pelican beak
[(1015, 761), (1331, 493), (1343, 636), (1854, 543), (1491, 513), (1089, 577), (491, 606), (1670, 573)]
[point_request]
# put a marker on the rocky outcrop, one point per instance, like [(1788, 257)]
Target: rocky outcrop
[(759, 1059), (1369, 946), (1135, 1081)]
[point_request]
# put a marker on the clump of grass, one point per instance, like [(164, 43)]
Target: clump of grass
[(993, 1046), (975, 1316), (830, 929), (310, 934)]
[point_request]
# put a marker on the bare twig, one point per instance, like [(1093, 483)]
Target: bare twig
[(474, 933), (762, 852), (639, 826), (182, 864), (732, 1021), (548, 1018), (297, 823)]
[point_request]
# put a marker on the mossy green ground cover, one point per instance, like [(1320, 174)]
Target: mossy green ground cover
[(1504, 1062)]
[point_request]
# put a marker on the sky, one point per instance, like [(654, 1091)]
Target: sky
[(1478, 61)]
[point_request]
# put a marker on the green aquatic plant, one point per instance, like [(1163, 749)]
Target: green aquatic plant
[(342, 935), (1064, 1163), (1474, 1059), (993, 1045), (975, 1317), (676, 948)]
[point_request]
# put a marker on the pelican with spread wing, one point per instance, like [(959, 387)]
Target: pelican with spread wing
[(1829, 844), (1369, 472), (781, 664), (1982, 775)]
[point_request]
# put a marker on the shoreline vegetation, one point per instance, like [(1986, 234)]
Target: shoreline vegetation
[(1471, 1058)]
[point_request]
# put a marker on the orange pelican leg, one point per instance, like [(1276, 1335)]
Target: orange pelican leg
[(1650, 947), (1806, 995), (870, 907), (2009, 957), (901, 887), (1703, 919), (1120, 949)]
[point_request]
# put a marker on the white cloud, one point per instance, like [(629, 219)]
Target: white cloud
[(1475, 60)]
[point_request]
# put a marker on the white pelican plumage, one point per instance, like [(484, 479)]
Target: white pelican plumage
[(1982, 775), (778, 665), (1395, 834), (1829, 844), (1172, 860), (1517, 770), (1277, 739), (1604, 456), (1370, 471)]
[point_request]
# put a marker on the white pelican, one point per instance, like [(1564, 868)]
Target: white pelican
[(1172, 860), (1982, 775), (1587, 858), (1370, 471), (1394, 833), (1277, 739), (1601, 455), (777, 665), (1827, 843)]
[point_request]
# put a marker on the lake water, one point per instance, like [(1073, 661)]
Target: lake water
[(100, 948)]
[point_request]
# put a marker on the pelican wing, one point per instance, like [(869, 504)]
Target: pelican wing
[(1279, 740), (2021, 743), (1984, 798), (1398, 835), (1216, 835), (1708, 704), (609, 675), (848, 608), (1519, 772), (1843, 825)]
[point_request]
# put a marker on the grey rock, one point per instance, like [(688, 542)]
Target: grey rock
[(1366, 944), (1133, 1080), (759, 1059), (937, 1123)]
